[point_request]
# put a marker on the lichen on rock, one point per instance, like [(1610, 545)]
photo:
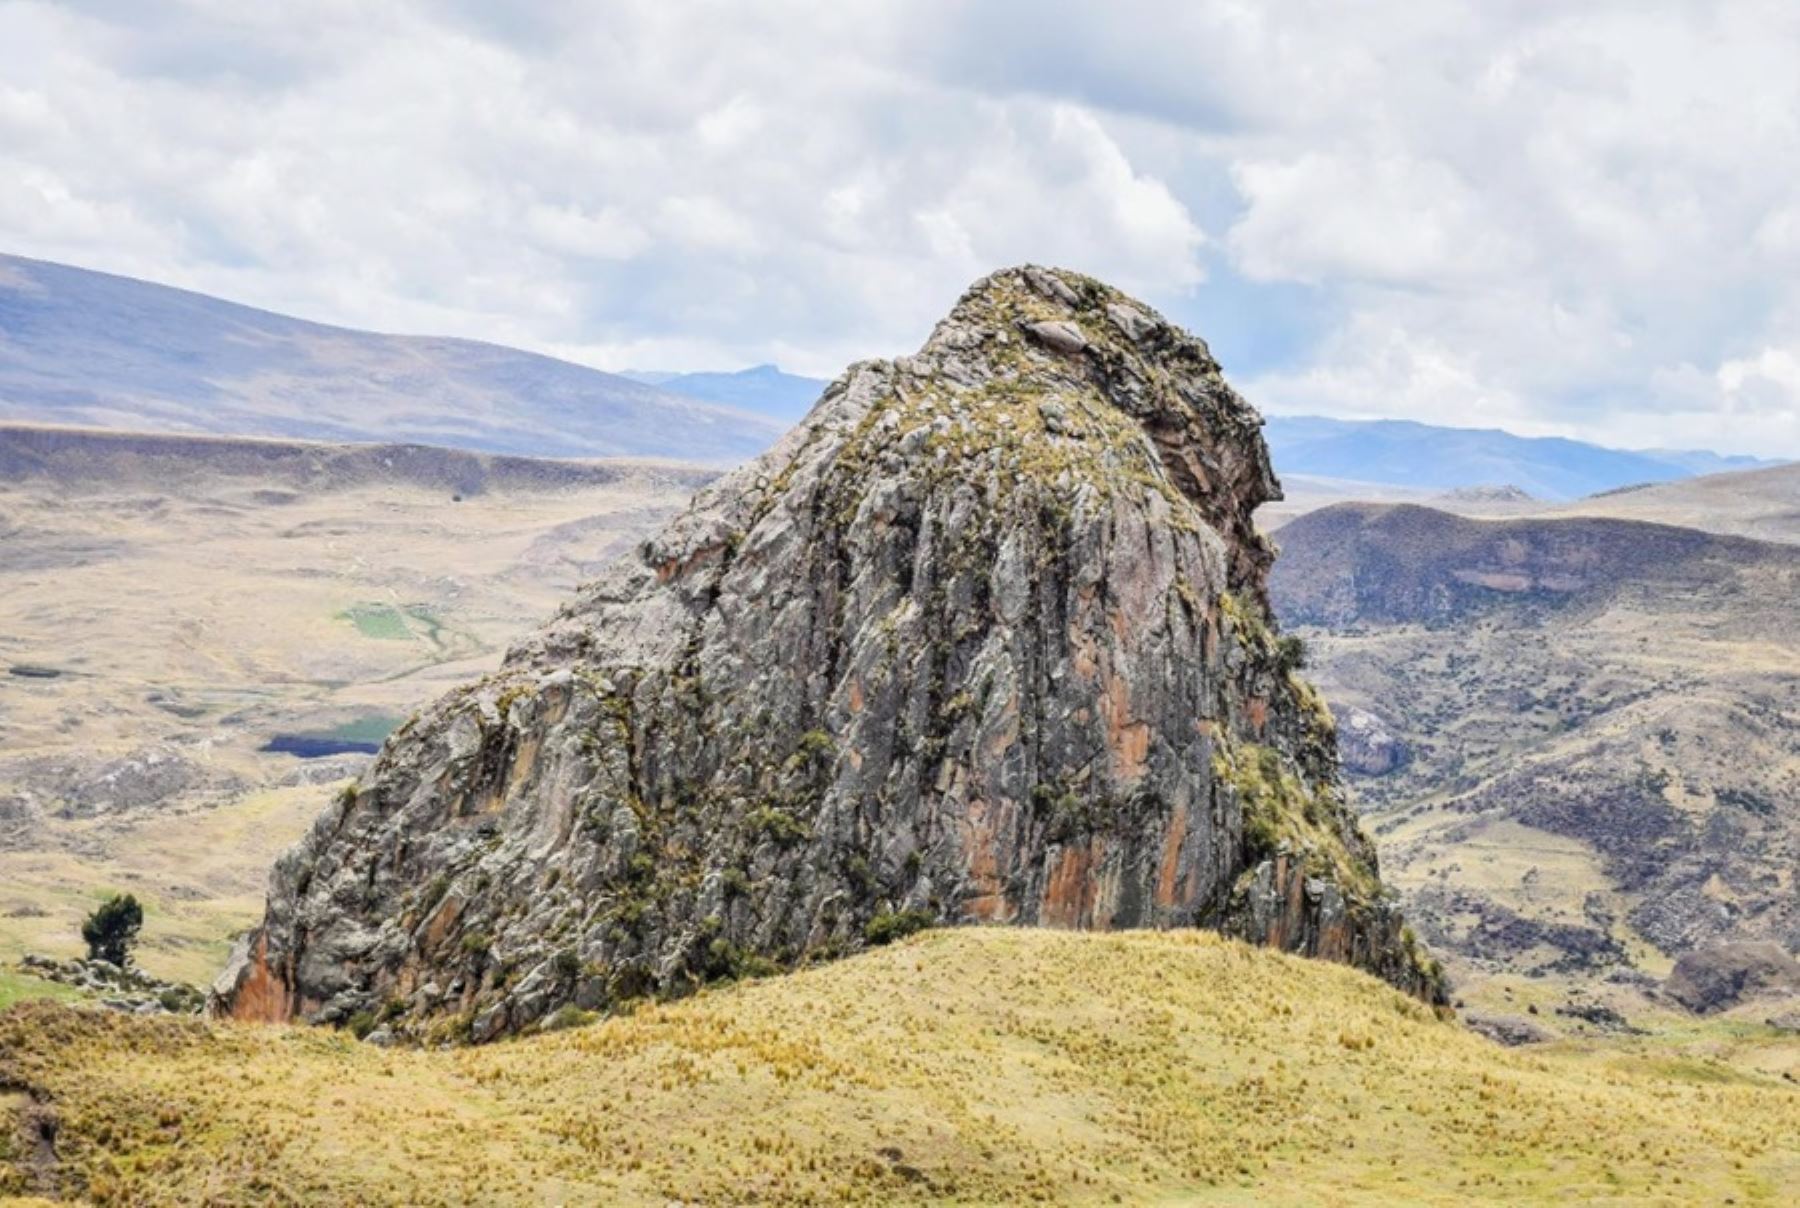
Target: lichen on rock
[(984, 639)]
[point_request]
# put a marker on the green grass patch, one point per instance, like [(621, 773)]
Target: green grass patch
[(21, 987), (374, 727), (381, 622)]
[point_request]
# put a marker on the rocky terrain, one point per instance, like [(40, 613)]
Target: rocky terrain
[(984, 639), (178, 614), (127, 988), (1578, 739)]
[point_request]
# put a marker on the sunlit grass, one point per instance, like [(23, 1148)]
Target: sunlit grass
[(20, 987), (977, 1066)]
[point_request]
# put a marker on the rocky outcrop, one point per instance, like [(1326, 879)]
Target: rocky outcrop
[(120, 989), (1365, 744), (1721, 976), (984, 639)]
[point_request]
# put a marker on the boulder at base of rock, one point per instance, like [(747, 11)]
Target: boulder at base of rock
[(1366, 745)]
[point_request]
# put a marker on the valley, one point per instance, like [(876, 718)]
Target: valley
[(1599, 732), (1571, 733), (172, 606), (889, 604)]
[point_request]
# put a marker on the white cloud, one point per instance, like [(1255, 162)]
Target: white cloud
[(1570, 218), (603, 234), (751, 181), (1369, 217)]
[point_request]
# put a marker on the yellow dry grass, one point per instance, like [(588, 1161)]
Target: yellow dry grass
[(198, 614), (974, 1066)]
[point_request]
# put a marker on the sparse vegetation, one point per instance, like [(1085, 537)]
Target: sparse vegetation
[(775, 823), (994, 1066), (111, 931), (1280, 810), (888, 926)]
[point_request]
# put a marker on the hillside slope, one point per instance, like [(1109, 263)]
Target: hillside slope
[(764, 389), (87, 348), (1598, 721), (82, 460), (1405, 453), (979, 1065), (1764, 504), (178, 614)]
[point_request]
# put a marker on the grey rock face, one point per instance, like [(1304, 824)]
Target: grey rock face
[(985, 639), (1509, 1030), (1722, 975), (1366, 746)]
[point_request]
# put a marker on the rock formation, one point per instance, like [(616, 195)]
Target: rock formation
[(1720, 976), (984, 639)]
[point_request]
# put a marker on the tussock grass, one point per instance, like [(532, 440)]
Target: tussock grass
[(973, 1065)]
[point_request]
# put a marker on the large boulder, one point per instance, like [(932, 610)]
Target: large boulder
[(1720, 976), (984, 639)]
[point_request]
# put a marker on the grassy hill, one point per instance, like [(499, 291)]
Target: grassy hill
[(99, 350), (974, 1066), (1599, 714), (1764, 504)]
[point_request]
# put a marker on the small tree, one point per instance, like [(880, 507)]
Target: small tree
[(1290, 653), (113, 928)]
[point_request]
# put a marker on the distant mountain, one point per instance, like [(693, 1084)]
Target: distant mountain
[(89, 348), (1404, 453), (1585, 747), (1764, 504), (83, 458), (1703, 461), (763, 389)]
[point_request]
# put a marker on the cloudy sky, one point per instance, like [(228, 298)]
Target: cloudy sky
[(1578, 219)]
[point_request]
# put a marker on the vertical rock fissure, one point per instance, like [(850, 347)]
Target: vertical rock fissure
[(984, 640)]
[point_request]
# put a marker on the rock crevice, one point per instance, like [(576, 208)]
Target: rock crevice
[(985, 639)]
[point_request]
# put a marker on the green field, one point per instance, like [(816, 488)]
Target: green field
[(372, 728), (21, 987), (382, 622)]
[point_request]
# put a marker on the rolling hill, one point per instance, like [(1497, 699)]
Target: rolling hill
[(87, 348), (1408, 454), (1764, 503), (1600, 771), (978, 1066), (79, 347), (764, 389)]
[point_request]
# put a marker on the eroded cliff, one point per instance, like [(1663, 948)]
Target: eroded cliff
[(984, 639)]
